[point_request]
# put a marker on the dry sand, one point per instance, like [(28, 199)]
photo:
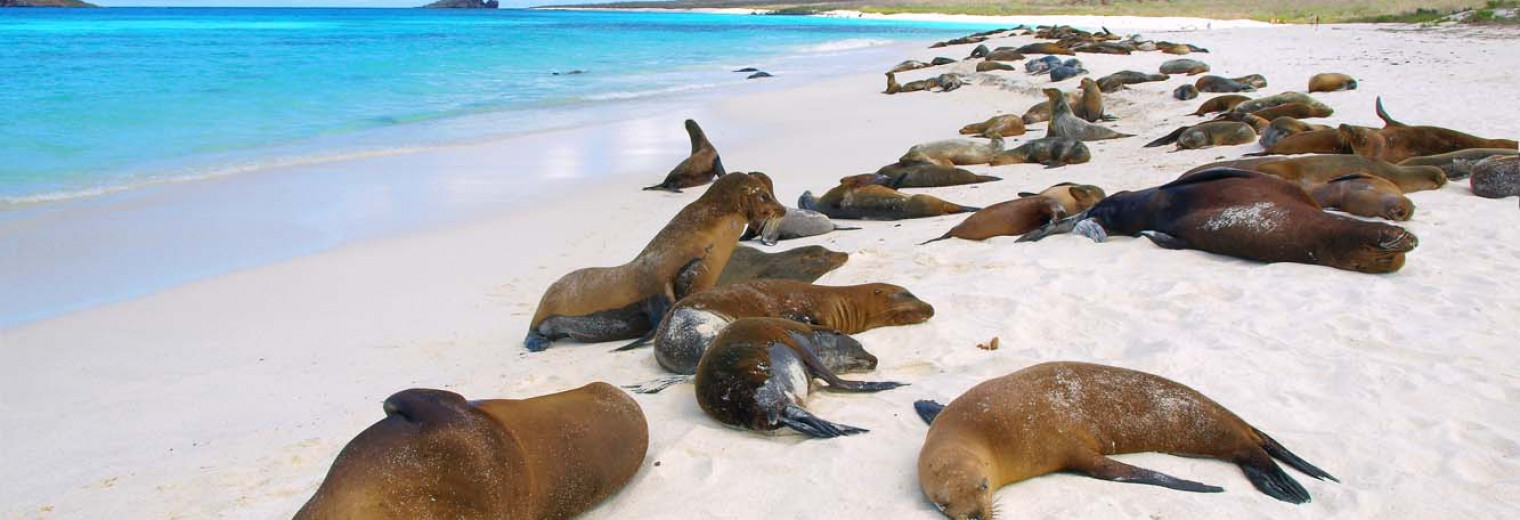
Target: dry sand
[(230, 397)]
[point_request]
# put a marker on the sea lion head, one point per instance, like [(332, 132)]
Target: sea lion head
[(1371, 248), (819, 259), (1397, 208), (1052, 94), (750, 195), (956, 480), (865, 179), (1422, 178), (1193, 141), (1363, 141), (888, 305), (840, 352)]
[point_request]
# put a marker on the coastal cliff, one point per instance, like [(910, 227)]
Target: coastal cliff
[(45, 3), (460, 4)]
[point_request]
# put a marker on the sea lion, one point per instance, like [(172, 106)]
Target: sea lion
[(1068, 416), (1496, 177), (1042, 64), (1330, 82), (1184, 66), (804, 264), (1065, 124), (1294, 110), (948, 82), (1215, 133), (1220, 104), (1074, 198), (1212, 83), (871, 202), (1314, 170), (758, 373), (1285, 98), (701, 167), (981, 51), (797, 223), (1028, 212), (1006, 125), (1243, 214), (1040, 112), (1364, 196), (1458, 164), (758, 75), (1254, 80), (1105, 48), (1045, 48), (1185, 92), (1397, 141), (893, 87), (908, 65), (1284, 126), (1065, 72), (1116, 81), (941, 61), (1090, 107), (436, 456), (610, 303), (695, 321), (1005, 55), (987, 66), (918, 174), (1049, 151), (955, 152), (1329, 141)]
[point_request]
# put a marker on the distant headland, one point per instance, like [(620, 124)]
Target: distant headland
[(457, 4), (45, 3)]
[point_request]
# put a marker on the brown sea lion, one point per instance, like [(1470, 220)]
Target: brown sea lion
[(1049, 151), (871, 202), (1220, 104), (909, 65), (1005, 55), (701, 167), (1281, 127), (988, 66), (955, 152), (436, 456), (1314, 170), (1243, 214), (1285, 98), (1090, 108), (1330, 82), (695, 321), (1294, 110), (1329, 141), (1116, 81), (1063, 123), (1074, 198), (804, 264), (1184, 66), (1458, 164), (1212, 83), (1025, 214), (1397, 141), (758, 375), (1254, 80), (1045, 48), (610, 303), (1068, 416), (1364, 196), (919, 174), (1006, 125), (1205, 135), (1496, 177), (1258, 124), (1040, 112)]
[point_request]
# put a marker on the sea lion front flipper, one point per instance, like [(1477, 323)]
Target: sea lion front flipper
[(1164, 240), (797, 418), (821, 371), (928, 410), (687, 277), (1109, 469), (654, 386)]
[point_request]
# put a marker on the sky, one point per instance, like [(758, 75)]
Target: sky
[(313, 3)]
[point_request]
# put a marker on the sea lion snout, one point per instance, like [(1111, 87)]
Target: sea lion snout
[(957, 485), (1397, 240)]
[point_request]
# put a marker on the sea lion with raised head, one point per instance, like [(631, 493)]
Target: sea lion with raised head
[(1184, 66), (797, 223), (1049, 151), (981, 51), (1090, 107), (1458, 164), (1284, 126), (893, 87), (1496, 177), (1314, 170), (436, 456), (1040, 112), (1006, 125), (758, 374), (804, 264), (1364, 196), (701, 167), (1243, 214), (1185, 92), (1063, 123), (686, 256), (955, 152), (1116, 81), (1212, 83), (1220, 104), (1069, 416), (1330, 82), (854, 201), (919, 174)]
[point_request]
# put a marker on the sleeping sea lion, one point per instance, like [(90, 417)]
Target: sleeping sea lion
[(981, 51), (1185, 92), (871, 202), (1364, 196), (1028, 212), (804, 264), (758, 375), (1005, 55), (1220, 104), (1042, 64), (436, 456), (1314, 170), (909, 65), (1330, 82), (1284, 126), (1258, 104), (1049, 151), (1065, 124), (1006, 125), (1212, 83), (1329, 141), (955, 152), (1205, 135), (1068, 416), (1294, 110), (1496, 177), (987, 66), (701, 167), (1045, 48), (1458, 164), (796, 223), (1116, 81), (1074, 198), (1397, 141), (1184, 66), (1243, 214), (1254, 80), (919, 174), (623, 302)]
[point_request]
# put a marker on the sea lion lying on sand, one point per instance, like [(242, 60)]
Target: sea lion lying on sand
[(955, 152), (1065, 124), (871, 202), (1049, 151), (797, 223), (1364, 196), (804, 264), (1458, 164), (1314, 170), (1397, 141), (1028, 212), (1331, 81), (919, 174), (1220, 104), (1006, 125)]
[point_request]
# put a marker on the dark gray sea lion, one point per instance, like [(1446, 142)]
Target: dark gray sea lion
[(1116, 81), (941, 61), (1254, 80), (1215, 133), (804, 264), (758, 374), (1185, 92), (1042, 64), (1330, 82), (981, 51), (1220, 104), (1458, 164), (1496, 177), (1065, 72), (901, 67), (759, 75), (1049, 151), (872, 202), (1243, 214), (797, 223), (701, 167), (1364, 196), (1212, 83), (987, 66), (1045, 48), (1065, 124), (1069, 416), (750, 69), (1184, 66), (1007, 125)]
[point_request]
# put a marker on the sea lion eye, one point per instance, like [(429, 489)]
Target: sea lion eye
[(877, 292), (983, 486)]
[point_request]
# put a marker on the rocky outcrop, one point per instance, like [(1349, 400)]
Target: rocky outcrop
[(45, 3), (460, 4)]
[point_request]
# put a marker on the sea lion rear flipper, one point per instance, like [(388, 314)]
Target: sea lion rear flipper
[(807, 201), (1164, 240), (664, 186), (1109, 469), (945, 236), (1168, 138), (654, 386), (928, 410), (1269, 478), (1023, 194), (642, 341), (1277, 450), (821, 371), (1388, 121), (796, 418)]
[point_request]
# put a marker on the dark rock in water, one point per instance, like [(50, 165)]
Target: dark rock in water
[(761, 74), (463, 4), (941, 61), (748, 69), (45, 3), (571, 73)]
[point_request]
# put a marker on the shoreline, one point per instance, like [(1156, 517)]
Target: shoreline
[(1138, 23)]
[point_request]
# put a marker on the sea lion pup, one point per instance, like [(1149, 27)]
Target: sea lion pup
[(611, 303), (981, 51), (1254, 80), (758, 374), (695, 321), (1049, 151), (1243, 214), (1294, 110), (1065, 72), (1045, 48), (1090, 107), (1315, 170), (909, 65), (1397, 141), (1116, 81), (987, 66), (797, 223), (1458, 164), (871, 202), (803, 264), (1364, 196), (941, 60), (1284, 126), (1329, 141), (1185, 92), (1005, 125), (955, 152), (1184, 66), (1496, 177), (912, 86), (1330, 82), (918, 174), (1028, 212), (1205, 135), (701, 167), (1065, 124), (1042, 64), (1212, 83), (1068, 416), (436, 456), (1220, 104)]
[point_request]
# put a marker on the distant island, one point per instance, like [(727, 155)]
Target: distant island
[(460, 4), (45, 3)]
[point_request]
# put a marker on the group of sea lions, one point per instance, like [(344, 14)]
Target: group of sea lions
[(752, 332)]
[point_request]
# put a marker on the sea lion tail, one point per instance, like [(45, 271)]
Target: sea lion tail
[(941, 237), (1276, 450), (654, 386), (797, 418), (1168, 138), (1388, 120), (928, 410)]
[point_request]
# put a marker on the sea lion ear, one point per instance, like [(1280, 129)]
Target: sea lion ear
[(1026, 194)]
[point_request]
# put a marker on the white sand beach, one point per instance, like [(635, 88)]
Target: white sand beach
[(230, 396)]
